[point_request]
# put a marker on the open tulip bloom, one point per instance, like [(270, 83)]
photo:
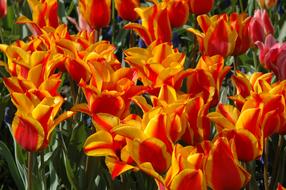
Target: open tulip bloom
[(151, 95)]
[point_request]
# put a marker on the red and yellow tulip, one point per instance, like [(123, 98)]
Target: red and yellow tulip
[(215, 66), (240, 127), (110, 91), (217, 36), (224, 172), (247, 84), (240, 22), (44, 13), (35, 120), (155, 24), (157, 65), (97, 13), (185, 171)]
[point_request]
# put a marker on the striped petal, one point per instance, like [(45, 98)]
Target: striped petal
[(27, 131), (99, 144), (189, 179), (150, 150), (222, 171)]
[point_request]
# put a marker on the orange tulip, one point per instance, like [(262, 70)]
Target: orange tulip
[(222, 170), (125, 9), (218, 37), (3, 8), (97, 13), (155, 24), (200, 7)]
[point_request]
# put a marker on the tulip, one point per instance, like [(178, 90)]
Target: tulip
[(35, 120), (200, 83), (198, 128), (44, 13), (215, 66), (267, 3), (125, 9), (155, 24), (245, 85), (218, 37), (272, 111), (140, 148), (96, 12), (178, 12), (240, 22), (260, 26), (185, 171), (109, 92), (222, 170), (200, 7), (3, 8), (240, 127), (157, 65), (272, 56)]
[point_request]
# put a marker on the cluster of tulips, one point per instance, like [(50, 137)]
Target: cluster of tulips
[(170, 138)]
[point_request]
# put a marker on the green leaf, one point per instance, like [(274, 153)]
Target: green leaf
[(69, 172), (282, 34), (6, 154)]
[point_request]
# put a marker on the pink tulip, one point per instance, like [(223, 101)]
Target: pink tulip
[(272, 56), (260, 26)]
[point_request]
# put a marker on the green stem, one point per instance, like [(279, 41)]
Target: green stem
[(42, 154), (30, 170), (251, 167), (265, 173), (132, 40), (255, 61), (73, 89), (113, 21), (241, 6), (275, 172)]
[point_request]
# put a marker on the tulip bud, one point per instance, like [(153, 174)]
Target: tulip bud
[(178, 12), (260, 26), (267, 3), (3, 8), (200, 7), (95, 12), (125, 9)]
